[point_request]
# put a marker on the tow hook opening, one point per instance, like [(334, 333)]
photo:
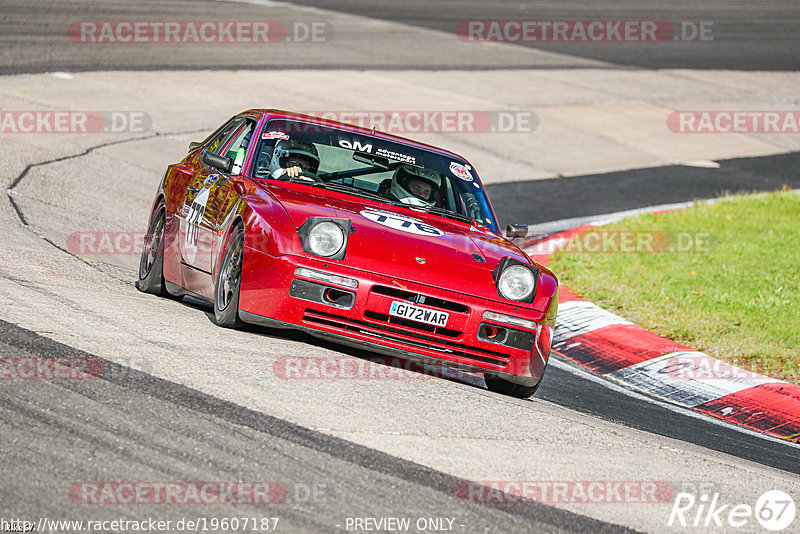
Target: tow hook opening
[(335, 296), (493, 333), (330, 296)]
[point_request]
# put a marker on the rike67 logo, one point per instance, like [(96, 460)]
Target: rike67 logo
[(774, 511)]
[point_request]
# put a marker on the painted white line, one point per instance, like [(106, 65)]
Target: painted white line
[(263, 3), (702, 163), (564, 364)]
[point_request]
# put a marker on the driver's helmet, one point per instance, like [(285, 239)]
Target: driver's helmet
[(415, 186), (287, 149)]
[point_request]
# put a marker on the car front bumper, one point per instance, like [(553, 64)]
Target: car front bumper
[(273, 295)]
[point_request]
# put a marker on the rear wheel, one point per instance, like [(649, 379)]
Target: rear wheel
[(229, 280), (151, 264), (503, 386)]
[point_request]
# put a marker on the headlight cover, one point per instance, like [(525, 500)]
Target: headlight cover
[(516, 280), (325, 237)]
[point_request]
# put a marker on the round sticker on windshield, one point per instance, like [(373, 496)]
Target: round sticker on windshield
[(401, 222), (461, 171)]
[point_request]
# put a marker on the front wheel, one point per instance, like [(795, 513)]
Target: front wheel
[(503, 386), (151, 264), (229, 280)]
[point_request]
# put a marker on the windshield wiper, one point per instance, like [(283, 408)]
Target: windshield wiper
[(343, 188), (302, 180), (446, 213)]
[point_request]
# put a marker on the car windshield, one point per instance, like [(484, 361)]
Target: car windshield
[(374, 168)]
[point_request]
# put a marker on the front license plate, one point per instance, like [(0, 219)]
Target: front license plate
[(406, 310)]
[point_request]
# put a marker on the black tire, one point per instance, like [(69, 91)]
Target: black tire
[(503, 386), (151, 264), (229, 281)]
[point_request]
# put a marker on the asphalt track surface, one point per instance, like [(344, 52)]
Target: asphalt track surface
[(132, 425), (128, 421), (746, 35)]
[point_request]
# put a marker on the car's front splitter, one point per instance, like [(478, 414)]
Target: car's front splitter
[(381, 349)]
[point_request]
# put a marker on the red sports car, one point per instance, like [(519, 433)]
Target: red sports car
[(362, 237)]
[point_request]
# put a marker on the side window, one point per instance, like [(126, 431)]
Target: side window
[(237, 147), (222, 136), (263, 158)]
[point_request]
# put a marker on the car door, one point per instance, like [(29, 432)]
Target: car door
[(220, 192), (196, 229)]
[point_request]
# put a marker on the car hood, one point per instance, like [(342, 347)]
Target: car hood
[(406, 244)]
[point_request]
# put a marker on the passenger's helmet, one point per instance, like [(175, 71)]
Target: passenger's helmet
[(287, 149), (415, 186)]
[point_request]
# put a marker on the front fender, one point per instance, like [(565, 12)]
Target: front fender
[(267, 225)]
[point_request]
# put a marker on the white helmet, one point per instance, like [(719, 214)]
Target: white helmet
[(415, 186), (286, 149)]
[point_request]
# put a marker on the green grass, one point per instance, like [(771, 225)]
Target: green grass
[(735, 296)]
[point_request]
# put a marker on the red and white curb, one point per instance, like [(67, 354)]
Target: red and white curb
[(614, 348)]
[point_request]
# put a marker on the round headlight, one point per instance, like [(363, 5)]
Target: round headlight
[(516, 283), (326, 238)]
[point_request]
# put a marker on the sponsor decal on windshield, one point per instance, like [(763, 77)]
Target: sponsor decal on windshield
[(397, 156), (461, 171), (367, 148), (274, 135), (356, 146)]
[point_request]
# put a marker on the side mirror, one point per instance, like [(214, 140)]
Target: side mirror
[(516, 230), (218, 162)]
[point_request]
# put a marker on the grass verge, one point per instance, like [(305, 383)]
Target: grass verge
[(721, 278)]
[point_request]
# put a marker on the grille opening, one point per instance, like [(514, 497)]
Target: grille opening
[(385, 331), (412, 324), (432, 302)]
